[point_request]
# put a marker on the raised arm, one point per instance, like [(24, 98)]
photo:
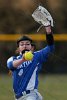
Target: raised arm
[(43, 17), (49, 35)]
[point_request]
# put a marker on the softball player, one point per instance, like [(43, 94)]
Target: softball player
[(25, 71)]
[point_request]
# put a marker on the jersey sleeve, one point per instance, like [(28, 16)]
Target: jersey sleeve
[(10, 63), (44, 53)]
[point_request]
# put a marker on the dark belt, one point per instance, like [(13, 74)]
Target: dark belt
[(17, 96)]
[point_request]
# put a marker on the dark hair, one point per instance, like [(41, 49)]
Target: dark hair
[(23, 39), (33, 44)]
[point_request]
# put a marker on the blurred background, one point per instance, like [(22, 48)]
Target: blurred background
[(15, 21)]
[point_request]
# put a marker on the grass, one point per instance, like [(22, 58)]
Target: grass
[(51, 87)]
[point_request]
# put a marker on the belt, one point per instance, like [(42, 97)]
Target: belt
[(17, 96)]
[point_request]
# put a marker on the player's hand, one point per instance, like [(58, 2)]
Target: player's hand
[(28, 55)]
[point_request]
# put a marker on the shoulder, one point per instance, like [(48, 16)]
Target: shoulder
[(10, 59), (14, 58)]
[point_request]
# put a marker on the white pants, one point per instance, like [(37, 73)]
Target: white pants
[(34, 95)]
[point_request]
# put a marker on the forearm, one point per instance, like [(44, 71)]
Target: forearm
[(49, 35), (16, 63)]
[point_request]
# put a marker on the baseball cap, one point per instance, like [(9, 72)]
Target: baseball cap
[(24, 38)]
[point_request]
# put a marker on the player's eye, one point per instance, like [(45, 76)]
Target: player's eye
[(24, 44), (28, 44)]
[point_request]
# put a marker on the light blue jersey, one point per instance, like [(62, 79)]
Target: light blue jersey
[(25, 76)]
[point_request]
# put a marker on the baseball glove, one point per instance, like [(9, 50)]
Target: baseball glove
[(42, 16)]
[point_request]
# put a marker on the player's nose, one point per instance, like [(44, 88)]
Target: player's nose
[(24, 46)]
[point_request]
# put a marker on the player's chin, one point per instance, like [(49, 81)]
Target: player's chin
[(23, 51)]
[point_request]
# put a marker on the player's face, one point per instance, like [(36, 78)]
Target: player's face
[(24, 45)]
